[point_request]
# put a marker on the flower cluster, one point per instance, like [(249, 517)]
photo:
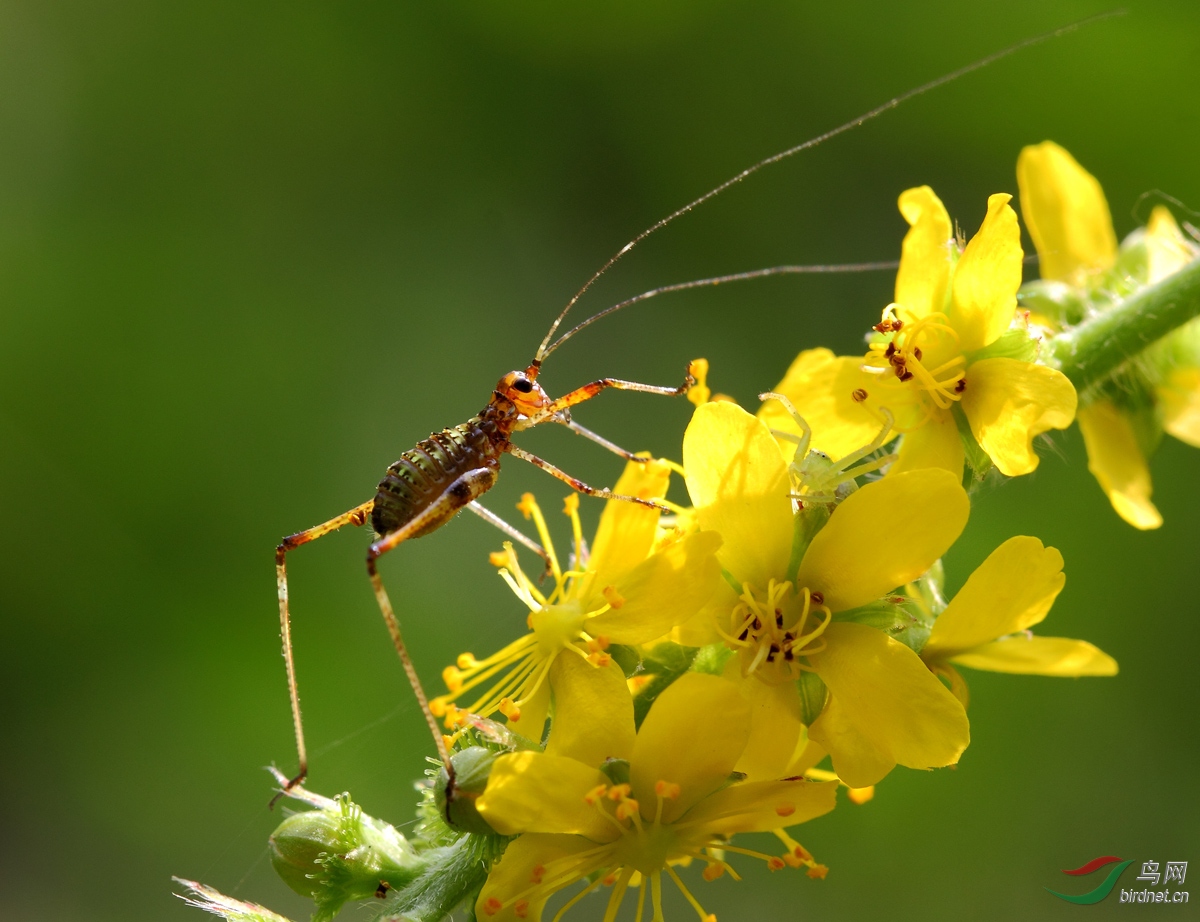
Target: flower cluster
[(691, 679), (1085, 274)]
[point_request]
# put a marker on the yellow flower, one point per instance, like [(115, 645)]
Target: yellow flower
[(1069, 221), (936, 347), (624, 592), (884, 707), (986, 625), (668, 800)]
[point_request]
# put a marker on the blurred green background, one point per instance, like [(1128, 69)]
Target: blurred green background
[(251, 252)]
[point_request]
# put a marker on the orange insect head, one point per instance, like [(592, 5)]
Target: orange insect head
[(522, 389)]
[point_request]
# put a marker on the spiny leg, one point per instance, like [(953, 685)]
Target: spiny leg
[(576, 484), (356, 516), (588, 391), (516, 534), (459, 494)]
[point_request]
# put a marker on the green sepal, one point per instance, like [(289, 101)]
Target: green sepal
[(1013, 344), (1130, 271), (734, 583), (712, 659), (979, 463), (627, 657), (900, 617), (807, 522), (616, 770), (931, 588), (451, 881), (812, 696), (663, 664), (1057, 301), (1131, 391), (339, 853)]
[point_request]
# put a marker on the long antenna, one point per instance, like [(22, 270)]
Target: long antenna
[(813, 142), (716, 280)]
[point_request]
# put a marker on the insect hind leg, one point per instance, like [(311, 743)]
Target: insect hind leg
[(461, 493), (356, 516)]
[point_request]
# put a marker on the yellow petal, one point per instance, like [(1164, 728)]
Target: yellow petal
[(572, 856), (626, 531), (775, 724), (739, 486), (807, 756), (1066, 213), (987, 278), (663, 591), (1010, 591), (1179, 400), (893, 702), (1009, 403), (820, 386), (593, 711), (761, 806), (693, 737), (854, 755), (531, 722), (1118, 463), (535, 792), (1055, 656), (884, 535), (700, 629), (927, 256), (935, 444), (1167, 250)]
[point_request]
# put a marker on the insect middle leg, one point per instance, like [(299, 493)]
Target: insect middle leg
[(356, 516), (576, 484), (516, 534), (601, 440)]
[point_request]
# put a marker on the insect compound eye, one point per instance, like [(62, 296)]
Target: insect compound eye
[(523, 385)]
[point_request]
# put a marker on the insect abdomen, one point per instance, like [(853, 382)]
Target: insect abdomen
[(426, 471)]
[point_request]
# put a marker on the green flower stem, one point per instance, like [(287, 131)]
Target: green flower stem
[(1093, 350)]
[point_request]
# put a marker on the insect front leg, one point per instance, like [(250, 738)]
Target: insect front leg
[(588, 391), (461, 493), (356, 516), (576, 484)]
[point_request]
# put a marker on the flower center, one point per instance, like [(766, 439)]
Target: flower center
[(922, 354), (557, 626), (514, 675), (773, 630), (645, 847)]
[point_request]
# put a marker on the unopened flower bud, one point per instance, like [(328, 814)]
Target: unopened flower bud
[(340, 854), (455, 792)]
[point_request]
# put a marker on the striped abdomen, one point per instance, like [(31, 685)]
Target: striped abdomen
[(425, 472)]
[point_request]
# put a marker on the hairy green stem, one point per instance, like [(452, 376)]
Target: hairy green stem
[(1093, 350)]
